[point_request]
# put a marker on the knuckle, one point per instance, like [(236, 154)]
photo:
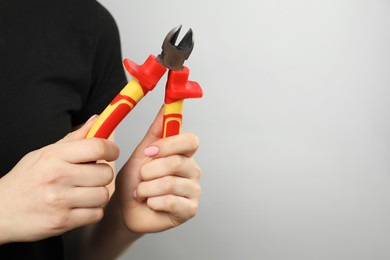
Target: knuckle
[(68, 136), (115, 151), (111, 175), (50, 178), (197, 172), (51, 167), (46, 153), (193, 209), (59, 221), (105, 149), (168, 184), (170, 201), (99, 147), (54, 175), (53, 199), (107, 172), (105, 195), (142, 171), (52, 170), (32, 156), (193, 141), (175, 162), (97, 215), (198, 190), (140, 190)]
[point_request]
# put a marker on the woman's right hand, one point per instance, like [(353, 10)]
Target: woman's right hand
[(56, 188)]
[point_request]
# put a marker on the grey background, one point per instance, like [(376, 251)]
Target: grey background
[(294, 126)]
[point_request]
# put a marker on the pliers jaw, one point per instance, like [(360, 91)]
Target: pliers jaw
[(172, 56)]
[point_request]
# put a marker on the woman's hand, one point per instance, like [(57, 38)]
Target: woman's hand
[(158, 188), (56, 188)]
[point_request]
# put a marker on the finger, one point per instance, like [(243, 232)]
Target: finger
[(185, 144), (87, 150), (177, 165), (180, 209), (80, 133), (88, 197), (168, 185), (83, 216), (89, 175)]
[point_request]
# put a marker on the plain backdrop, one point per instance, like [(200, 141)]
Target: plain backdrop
[(294, 126)]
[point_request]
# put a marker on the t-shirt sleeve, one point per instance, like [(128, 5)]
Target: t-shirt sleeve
[(107, 72)]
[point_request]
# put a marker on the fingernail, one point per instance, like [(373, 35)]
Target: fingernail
[(135, 194), (151, 151), (91, 118)]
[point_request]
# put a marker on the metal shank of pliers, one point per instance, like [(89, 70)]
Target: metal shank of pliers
[(172, 56)]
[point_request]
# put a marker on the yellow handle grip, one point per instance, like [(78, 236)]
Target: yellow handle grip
[(173, 116), (117, 110)]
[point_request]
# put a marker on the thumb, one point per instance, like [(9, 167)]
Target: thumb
[(153, 134), (80, 133)]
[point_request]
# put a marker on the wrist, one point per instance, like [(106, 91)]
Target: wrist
[(115, 213), (110, 237)]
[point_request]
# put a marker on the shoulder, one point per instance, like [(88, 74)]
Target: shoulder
[(106, 26)]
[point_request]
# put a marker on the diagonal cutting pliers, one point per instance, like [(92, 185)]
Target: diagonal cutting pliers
[(144, 79)]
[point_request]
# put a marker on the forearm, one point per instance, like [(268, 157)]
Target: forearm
[(106, 239)]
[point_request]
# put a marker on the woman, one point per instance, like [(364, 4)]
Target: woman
[(60, 64)]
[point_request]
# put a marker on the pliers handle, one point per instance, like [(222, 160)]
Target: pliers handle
[(144, 78), (178, 88)]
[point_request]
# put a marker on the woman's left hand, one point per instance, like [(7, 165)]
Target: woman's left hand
[(158, 188)]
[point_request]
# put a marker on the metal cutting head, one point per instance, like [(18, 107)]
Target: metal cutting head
[(173, 56)]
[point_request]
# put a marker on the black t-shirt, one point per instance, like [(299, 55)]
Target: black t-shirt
[(60, 63)]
